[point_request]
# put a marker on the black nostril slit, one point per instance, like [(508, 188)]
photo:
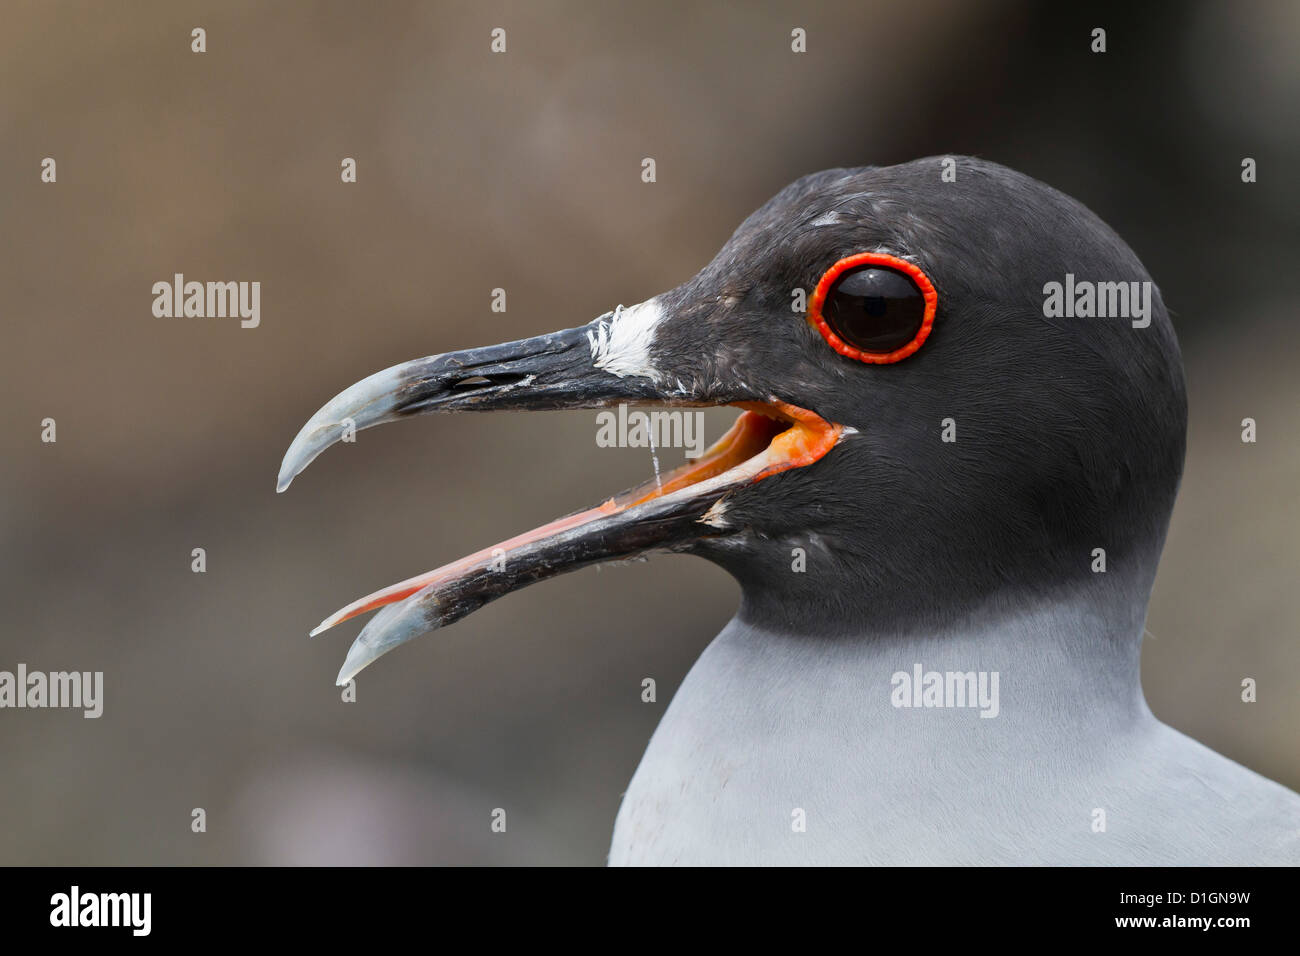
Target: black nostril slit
[(475, 382), (426, 394)]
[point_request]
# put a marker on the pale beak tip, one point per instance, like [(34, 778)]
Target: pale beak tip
[(302, 452), (353, 665), (287, 474)]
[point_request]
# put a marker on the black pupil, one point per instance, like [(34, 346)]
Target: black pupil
[(874, 310)]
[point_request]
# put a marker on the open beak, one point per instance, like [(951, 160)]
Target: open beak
[(552, 371)]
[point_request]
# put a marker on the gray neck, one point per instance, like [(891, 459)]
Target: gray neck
[(771, 722), (772, 727), (1066, 669)]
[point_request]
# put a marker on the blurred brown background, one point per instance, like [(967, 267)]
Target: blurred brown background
[(523, 171)]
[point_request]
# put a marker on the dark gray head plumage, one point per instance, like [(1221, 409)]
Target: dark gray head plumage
[(1069, 432)]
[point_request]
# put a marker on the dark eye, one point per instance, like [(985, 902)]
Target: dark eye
[(874, 307), (875, 310)]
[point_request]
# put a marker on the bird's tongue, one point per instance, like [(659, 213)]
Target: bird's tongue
[(681, 508)]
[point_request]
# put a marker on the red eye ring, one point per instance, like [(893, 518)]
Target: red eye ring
[(909, 269)]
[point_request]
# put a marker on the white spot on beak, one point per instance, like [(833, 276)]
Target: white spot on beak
[(714, 516), (621, 344)]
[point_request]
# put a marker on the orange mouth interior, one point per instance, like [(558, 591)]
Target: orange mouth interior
[(793, 437), (774, 436)]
